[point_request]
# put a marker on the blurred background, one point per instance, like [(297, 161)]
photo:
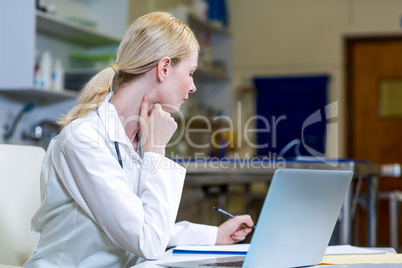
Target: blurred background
[(265, 66)]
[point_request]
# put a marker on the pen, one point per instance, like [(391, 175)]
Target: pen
[(230, 216)]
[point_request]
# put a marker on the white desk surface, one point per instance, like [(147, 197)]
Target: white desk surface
[(170, 257)]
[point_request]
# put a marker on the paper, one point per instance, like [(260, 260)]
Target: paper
[(361, 259), (348, 249)]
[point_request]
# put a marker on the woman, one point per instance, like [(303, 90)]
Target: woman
[(110, 196)]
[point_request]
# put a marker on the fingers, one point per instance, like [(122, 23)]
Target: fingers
[(160, 126), (157, 106), (242, 233), (244, 222), (244, 219), (234, 230), (143, 119), (237, 238), (144, 107), (159, 112)]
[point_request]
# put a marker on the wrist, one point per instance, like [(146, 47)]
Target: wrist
[(219, 236)]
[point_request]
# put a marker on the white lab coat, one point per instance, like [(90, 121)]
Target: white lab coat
[(96, 214)]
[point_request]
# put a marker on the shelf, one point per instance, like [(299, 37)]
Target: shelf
[(39, 94), (72, 32), (90, 71), (209, 74), (201, 23)]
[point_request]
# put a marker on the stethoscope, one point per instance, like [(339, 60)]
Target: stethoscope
[(116, 145)]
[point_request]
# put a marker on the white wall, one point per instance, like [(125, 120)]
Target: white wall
[(292, 37), (111, 17)]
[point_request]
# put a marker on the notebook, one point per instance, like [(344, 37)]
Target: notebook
[(296, 221)]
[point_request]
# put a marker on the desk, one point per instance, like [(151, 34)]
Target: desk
[(220, 172), (170, 257)]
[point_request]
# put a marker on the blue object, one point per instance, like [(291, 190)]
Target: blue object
[(286, 102), (116, 145), (179, 251), (29, 106), (217, 11)]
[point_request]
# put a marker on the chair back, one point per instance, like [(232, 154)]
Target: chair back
[(20, 197)]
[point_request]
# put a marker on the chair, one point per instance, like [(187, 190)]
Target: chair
[(395, 200), (19, 199)]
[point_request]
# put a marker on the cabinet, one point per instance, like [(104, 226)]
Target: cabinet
[(25, 32)]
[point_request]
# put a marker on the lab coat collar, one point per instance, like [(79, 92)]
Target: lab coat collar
[(110, 119)]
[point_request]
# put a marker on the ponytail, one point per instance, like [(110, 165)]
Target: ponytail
[(91, 96)]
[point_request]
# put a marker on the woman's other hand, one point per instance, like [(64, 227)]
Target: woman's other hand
[(156, 127), (234, 230)]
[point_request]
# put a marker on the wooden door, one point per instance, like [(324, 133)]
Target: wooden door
[(374, 65)]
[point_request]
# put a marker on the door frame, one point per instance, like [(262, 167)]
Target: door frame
[(348, 41)]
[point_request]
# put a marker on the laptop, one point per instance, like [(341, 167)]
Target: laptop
[(296, 221)]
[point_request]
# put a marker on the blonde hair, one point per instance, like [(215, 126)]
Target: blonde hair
[(147, 40)]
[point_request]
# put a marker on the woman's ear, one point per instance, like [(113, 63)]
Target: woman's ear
[(163, 68)]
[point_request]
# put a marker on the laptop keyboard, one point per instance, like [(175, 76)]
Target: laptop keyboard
[(226, 264)]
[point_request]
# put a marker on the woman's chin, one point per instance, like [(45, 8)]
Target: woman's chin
[(171, 108)]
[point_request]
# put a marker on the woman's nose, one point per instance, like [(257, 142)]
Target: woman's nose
[(193, 88)]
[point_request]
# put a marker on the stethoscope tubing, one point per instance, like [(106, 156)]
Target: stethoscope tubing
[(116, 145)]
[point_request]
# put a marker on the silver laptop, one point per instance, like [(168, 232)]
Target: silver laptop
[(296, 221)]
